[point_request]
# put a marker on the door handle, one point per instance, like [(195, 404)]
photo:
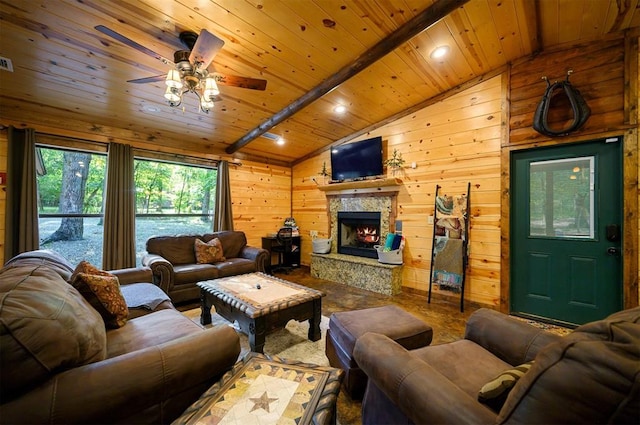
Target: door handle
[(612, 250)]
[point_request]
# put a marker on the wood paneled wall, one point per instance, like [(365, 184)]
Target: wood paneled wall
[(261, 196), (469, 136), (453, 142), (598, 72)]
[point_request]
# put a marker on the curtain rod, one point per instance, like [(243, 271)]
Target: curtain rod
[(57, 136), (157, 153), (191, 157)]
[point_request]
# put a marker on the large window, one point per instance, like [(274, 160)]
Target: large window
[(71, 192), (172, 199)]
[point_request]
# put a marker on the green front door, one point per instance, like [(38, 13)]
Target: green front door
[(566, 230)]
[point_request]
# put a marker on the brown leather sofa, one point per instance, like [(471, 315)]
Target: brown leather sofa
[(173, 262), (589, 376), (60, 364)]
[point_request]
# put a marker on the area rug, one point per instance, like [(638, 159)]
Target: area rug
[(288, 343), (562, 331)]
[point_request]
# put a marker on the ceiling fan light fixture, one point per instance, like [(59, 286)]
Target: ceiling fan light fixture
[(206, 105), (210, 88), (173, 96), (190, 68), (173, 79)]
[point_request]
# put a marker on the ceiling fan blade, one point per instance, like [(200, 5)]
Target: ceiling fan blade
[(127, 41), (206, 47), (145, 80), (244, 82)]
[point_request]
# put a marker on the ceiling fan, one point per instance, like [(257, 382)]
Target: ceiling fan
[(190, 71)]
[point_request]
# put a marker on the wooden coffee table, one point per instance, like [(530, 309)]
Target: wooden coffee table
[(261, 304), (269, 390)]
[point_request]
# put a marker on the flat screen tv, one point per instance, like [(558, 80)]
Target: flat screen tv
[(357, 160)]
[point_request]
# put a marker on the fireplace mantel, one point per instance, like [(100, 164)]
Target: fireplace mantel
[(386, 185)]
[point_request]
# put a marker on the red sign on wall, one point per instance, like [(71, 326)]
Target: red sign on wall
[(3, 179)]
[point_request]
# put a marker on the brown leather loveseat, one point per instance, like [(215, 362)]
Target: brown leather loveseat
[(172, 260), (591, 375), (60, 363)]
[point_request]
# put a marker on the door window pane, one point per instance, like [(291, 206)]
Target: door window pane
[(172, 199), (70, 200), (562, 198)]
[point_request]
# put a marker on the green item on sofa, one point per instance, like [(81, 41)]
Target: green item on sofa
[(494, 393)]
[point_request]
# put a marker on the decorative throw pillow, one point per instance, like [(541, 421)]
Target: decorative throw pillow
[(209, 252), (88, 268), (494, 393), (102, 290)]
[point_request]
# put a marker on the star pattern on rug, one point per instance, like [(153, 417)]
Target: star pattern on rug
[(262, 402)]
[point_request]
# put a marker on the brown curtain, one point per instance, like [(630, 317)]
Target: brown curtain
[(223, 216), (119, 246), (21, 216)]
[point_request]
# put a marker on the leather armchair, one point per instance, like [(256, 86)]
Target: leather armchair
[(589, 376)]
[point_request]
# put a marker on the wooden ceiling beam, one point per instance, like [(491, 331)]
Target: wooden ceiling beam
[(414, 26)]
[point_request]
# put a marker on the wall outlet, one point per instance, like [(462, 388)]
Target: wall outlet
[(313, 233), (430, 219)]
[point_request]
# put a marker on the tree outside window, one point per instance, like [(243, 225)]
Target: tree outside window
[(70, 200)]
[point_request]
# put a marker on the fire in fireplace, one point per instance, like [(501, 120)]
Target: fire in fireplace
[(358, 232)]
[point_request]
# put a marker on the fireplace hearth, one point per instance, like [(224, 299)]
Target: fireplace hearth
[(358, 233)]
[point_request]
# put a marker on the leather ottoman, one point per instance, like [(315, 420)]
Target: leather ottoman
[(347, 326)]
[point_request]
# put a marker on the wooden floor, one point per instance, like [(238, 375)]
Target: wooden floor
[(443, 316)]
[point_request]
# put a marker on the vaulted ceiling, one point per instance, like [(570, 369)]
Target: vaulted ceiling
[(371, 56)]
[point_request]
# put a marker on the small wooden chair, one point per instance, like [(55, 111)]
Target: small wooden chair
[(284, 249)]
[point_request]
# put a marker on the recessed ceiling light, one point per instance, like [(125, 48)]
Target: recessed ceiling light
[(150, 108), (280, 141), (439, 52), (340, 109)]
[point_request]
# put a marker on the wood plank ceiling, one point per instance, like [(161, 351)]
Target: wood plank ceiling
[(66, 74)]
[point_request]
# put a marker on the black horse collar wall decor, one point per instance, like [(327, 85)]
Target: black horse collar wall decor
[(580, 108)]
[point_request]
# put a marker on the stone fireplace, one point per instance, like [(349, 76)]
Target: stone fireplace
[(361, 215), (358, 233), (362, 205)]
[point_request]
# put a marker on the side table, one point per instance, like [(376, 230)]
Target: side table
[(262, 389)]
